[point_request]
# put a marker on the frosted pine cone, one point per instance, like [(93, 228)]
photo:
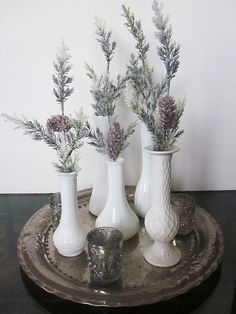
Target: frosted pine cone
[(114, 141), (59, 123), (167, 112)]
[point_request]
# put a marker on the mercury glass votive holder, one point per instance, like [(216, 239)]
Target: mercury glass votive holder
[(184, 206), (55, 209), (105, 254)]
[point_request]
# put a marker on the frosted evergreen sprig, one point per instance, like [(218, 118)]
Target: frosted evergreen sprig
[(161, 114), (61, 78), (114, 142), (62, 133), (146, 89), (135, 28), (105, 90), (169, 49), (64, 142), (104, 38)]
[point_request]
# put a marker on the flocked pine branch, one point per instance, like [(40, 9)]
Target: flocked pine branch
[(105, 90), (61, 78), (62, 133), (146, 89), (104, 38), (161, 114), (168, 49), (135, 28), (63, 137)]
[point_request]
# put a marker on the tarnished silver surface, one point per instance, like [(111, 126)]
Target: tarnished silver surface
[(141, 283)]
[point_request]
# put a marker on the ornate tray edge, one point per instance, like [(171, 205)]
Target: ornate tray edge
[(191, 285)]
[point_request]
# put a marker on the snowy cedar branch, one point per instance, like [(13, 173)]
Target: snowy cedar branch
[(146, 90), (104, 38), (65, 143), (169, 49), (61, 78), (62, 133), (105, 90), (161, 114)]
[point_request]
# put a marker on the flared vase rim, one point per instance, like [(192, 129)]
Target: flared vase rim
[(173, 150)]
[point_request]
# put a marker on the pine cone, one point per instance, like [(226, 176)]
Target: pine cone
[(114, 141), (59, 123), (167, 112)]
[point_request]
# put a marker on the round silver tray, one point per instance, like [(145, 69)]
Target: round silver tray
[(141, 283)]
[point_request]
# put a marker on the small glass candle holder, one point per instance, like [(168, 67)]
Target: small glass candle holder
[(105, 254), (55, 208), (184, 206)]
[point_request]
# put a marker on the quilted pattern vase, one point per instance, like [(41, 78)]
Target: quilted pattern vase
[(161, 221)]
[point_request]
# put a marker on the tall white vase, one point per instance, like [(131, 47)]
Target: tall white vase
[(142, 191), (69, 237), (161, 221), (99, 191), (117, 212)]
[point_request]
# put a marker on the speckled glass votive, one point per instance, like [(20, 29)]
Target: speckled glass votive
[(105, 253), (184, 206), (55, 208)]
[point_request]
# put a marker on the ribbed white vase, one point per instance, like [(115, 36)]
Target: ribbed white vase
[(142, 191), (69, 237), (117, 212), (161, 221), (99, 191)]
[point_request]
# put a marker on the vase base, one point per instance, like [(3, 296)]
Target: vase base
[(162, 254), (94, 209), (70, 253)]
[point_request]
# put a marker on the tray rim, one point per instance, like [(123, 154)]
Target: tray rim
[(24, 260)]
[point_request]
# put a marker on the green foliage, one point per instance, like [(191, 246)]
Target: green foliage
[(108, 46), (65, 143), (169, 49), (145, 90), (61, 79), (135, 28), (105, 91)]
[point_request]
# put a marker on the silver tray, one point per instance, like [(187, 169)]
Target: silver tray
[(141, 283)]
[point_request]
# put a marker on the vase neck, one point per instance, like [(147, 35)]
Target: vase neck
[(68, 188), (160, 181), (146, 139), (115, 177)]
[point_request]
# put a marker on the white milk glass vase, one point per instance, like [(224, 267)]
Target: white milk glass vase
[(99, 191), (117, 212), (69, 237), (161, 221), (142, 191)]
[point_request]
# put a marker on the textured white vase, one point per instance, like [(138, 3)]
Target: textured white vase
[(99, 192), (142, 191), (161, 221), (117, 212), (69, 237)]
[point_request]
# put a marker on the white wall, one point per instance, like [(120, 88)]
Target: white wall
[(30, 31)]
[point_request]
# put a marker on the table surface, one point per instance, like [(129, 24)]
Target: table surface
[(18, 294)]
